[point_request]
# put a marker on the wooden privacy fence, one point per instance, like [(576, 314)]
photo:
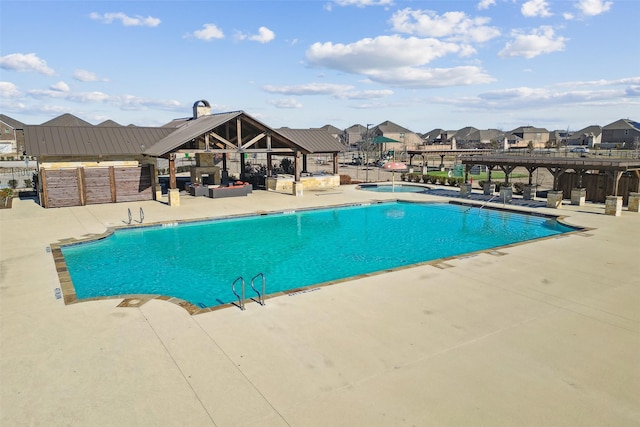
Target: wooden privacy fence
[(598, 186), (87, 186)]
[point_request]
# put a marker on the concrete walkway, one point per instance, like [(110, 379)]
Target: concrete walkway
[(545, 333)]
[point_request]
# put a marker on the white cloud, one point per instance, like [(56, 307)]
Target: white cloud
[(60, 91), (365, 94), (335, 90), (397, 61), (485, 4), (432, 77), (209, 32), (131, 102), (593, 7), (9, 90), (534, 8), (60, 87), (363, 3), (384, 52), (539, 41), (22, 62), (618, 82), (264, 35), (285, 103), (308, 89), (127, 21), (453, 26), (87, 76)]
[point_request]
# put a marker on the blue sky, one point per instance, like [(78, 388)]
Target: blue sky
[(421, 64)]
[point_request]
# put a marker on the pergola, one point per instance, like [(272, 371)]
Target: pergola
[(229, 133), (442, 153), (614, 168)]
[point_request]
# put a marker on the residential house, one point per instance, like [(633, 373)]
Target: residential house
[(11, 136), (435, 137), (484, 138), (408, 140), (526, 135), (623, 133), (590, 137)]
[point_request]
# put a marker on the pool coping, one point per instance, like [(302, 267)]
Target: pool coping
[(69, 296)]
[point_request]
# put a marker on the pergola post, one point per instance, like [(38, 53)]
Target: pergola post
[(297, 165), (556, 172), (172, 171), (507, 171)]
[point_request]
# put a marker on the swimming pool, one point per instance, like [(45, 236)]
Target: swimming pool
[(198, 261), (394, 188)]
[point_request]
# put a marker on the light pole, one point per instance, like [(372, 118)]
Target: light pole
[(366, 153)]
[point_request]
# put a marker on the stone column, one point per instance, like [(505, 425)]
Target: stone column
[(489, 188), (465, 190), (528, 192), (297, 189), (613, 205), (506, 194), (634, 202), (554, 199), (578, 196), (174, 197)]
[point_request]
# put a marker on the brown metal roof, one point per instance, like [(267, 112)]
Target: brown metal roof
[(66, 120), (313, 140), (90, 140), (189, 130)]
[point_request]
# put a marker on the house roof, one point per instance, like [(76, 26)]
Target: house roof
[(593, 129), (465, 132), (313, 140), (43, 140), (332, 129), (522, 129), (485, 135), (109, 123), (390, 127), (66, 120), (433, 134), (623, 124), (11, 122)]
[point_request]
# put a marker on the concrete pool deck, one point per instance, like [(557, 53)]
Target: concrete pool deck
[(543, 333)]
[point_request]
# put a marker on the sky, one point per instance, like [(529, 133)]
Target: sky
[(491, 64)]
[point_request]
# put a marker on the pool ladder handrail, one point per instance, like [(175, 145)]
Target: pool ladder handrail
[(264, 286), (141, 216), (233, 289)]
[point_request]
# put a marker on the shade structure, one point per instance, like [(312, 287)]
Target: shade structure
[(382, 139), (394, 167)]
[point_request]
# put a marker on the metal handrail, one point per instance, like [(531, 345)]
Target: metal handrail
[(233, 289), (129, 212), (264, 286), (141, 215)]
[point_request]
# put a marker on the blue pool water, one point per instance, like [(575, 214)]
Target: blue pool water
[(397, 188), (198, 261)]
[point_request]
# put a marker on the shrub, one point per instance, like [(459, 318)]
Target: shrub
[(425, 179), (27, 183), (417, 178), (345, 180), (5, 197), (13, 184), (518, 187)]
